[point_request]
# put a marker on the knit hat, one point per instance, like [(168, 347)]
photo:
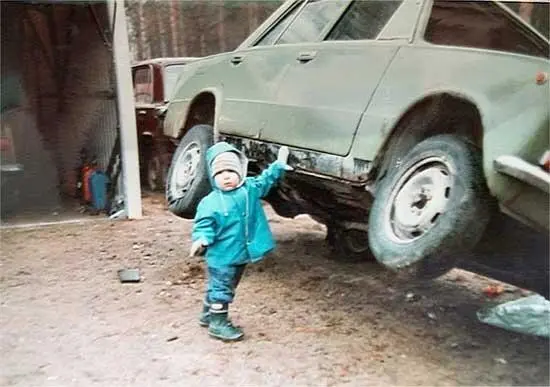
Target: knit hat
[(227, 161)]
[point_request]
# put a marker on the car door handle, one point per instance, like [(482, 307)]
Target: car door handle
[(305, 57), (142, 112), (236, 59)]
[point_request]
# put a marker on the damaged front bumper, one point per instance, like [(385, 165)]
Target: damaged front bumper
[(522, 170), (530, 201)]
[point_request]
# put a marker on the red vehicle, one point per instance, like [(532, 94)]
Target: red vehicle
[(154, 81)]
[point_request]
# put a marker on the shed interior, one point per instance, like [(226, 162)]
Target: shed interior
[(58, 109)]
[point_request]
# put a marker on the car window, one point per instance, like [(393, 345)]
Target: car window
[(364, 19), (312, 20), (171, 75), (481, 25), (536, 14), (143, 85), (272, 35)]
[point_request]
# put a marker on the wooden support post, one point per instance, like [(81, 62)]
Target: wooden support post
[(126, 112)]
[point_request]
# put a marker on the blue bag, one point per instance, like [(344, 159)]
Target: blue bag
[(98, 187)]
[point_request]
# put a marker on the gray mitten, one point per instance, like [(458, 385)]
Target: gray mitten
[(197, 248), (282, 157)]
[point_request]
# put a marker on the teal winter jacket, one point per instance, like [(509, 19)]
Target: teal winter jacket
[(233, 223)]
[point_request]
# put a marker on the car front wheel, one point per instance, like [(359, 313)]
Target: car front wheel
[(187, 179), (430, 209)]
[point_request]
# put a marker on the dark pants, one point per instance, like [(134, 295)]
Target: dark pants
[(222, 283)]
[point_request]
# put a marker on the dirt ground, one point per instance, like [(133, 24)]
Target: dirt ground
[(66, 320)]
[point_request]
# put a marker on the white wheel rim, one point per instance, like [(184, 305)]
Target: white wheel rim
[(185, 170), (418, 200)]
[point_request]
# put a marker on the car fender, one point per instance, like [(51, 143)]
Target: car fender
[(501, 86), (201, 76), (178, 111)]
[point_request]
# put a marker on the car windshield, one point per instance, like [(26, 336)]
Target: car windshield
[(171, 75)]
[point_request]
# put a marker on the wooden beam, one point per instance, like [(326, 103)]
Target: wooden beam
[(126, 112), (40, 42)]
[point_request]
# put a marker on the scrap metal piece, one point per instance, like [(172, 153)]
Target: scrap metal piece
[(129, 275)]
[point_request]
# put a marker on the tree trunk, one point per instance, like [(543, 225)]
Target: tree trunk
[(182, 27), (153, 32), (253, 16), (202, 32), (174, 27), (526, 11), (138, 29), (161, 40), (142, 32), (221, 26)]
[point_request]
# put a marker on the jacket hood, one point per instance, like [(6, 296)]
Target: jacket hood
[(222, 147)]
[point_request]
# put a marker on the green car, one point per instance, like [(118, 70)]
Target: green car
[(411, 123)]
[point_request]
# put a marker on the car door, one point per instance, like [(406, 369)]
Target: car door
[(329, 82), (251, 76)]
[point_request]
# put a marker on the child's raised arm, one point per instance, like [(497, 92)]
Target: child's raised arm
[(272, 174)]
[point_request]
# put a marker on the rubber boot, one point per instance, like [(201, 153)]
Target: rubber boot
[(204, 319), (220, 326)]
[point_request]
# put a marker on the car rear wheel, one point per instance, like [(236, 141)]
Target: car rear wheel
[(430, 209), (187, 179), (348, 245), (156, 173)]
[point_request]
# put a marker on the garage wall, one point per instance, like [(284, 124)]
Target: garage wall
[(65, 61), (39, 182)]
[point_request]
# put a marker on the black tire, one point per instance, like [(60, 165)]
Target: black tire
[(145, 153), (156, 173), (348, 246), (10, 201), (184, 203), (456, 228)]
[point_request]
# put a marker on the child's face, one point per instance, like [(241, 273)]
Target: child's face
[(227, 180)]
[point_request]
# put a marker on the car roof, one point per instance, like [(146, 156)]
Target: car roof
[(163, 61)]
